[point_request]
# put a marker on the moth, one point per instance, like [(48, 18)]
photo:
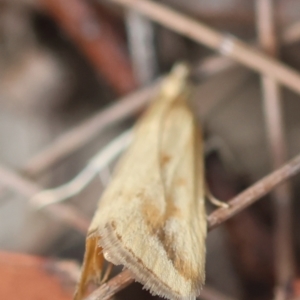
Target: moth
[(152, 218)]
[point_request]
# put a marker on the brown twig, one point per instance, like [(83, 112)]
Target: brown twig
[(227, 45), (28, 189), (97, 39), (113, 286), (124, 279), (284, 260), (71, 270), (252, 252), (80, 135), (253, 193), (218, 63), (237, 204)]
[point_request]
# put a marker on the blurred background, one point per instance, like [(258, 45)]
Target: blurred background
[(76, 74)]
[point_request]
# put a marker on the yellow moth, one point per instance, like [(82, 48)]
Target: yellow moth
[(151, 218)]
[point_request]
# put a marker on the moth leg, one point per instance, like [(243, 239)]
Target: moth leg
[(107, 273), (213, 199)]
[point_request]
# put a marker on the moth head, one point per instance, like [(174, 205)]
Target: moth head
[(177, 82)]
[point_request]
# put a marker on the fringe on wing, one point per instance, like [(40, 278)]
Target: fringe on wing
[(114, 252)]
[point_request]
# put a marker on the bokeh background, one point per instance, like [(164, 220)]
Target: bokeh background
[(63, 63)]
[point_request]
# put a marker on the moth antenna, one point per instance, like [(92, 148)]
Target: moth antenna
[(212, 199)]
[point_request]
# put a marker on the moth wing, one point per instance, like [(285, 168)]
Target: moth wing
[(152, 217)]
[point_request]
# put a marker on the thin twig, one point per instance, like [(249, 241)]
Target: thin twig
[(217, 63), (253, 193), (98, 40), (237, 204), (227, 45), (124, 279), (28, 189), (113, 286), (80, 135), (101, 160), (284, 260)]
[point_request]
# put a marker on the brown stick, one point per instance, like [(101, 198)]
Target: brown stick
[(218, 63), (80, 135), (124, 279), (284, 258), (113, 286), (237, 204), (97, 39), (227, 45), (253, 193), (77, 137), (86, 131)]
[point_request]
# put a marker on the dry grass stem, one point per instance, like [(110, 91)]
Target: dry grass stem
[(227, 45), (275, 127)]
